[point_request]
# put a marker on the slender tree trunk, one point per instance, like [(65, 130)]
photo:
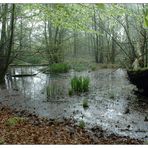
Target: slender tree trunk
[(3, 31), (142, 43), (96, 42), (146, 54), (21, 35), (132, 53), (113, 49), (75, 44), (9, 46)]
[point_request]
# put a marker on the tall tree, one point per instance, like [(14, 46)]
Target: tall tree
[(6, 42)]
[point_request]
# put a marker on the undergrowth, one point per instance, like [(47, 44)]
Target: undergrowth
[(80, 84), (59, 68)]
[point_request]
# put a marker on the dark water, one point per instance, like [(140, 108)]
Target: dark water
[(112, 103)]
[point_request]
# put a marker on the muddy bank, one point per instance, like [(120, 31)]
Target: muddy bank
[(112, 103), (35, 130)]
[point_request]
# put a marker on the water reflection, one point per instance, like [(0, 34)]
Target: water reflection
[(56, 89), (110, 94), (29, 86)]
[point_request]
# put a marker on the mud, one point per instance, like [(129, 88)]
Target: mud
[(113, 106)]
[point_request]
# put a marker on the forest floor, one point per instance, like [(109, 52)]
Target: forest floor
[(24, 128)]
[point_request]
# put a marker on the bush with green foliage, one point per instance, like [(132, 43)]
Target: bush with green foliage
[(80, 84), (59, 68)]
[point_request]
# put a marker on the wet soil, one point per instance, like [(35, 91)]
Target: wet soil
[(35, 130), (113, 106)]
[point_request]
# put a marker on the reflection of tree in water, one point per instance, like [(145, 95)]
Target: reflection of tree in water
[(40, 86), (56, 88), (25, 84), (8, 81)]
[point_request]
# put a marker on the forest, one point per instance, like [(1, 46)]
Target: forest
[(73, 73)]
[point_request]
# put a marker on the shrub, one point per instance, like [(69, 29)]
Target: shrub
[(82, 124), (13, 121), (85, 103), (59, 68), (80, 84)]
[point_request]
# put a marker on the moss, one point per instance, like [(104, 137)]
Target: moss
[(82, 124), (14, 121)]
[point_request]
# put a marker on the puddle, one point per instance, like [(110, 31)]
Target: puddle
[(112, 103)]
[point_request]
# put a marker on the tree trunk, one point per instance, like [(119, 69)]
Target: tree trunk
[(132, 53), (113, 49), (96, 41), (75, 43), (6, 59), (3, 31)]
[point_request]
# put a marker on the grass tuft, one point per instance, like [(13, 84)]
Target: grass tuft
[(80, 84), (82, 124)]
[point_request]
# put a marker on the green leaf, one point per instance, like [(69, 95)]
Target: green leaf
[(146, 22), (101, 6), (146, 19)]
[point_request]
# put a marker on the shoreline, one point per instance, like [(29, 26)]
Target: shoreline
[(35, 130)]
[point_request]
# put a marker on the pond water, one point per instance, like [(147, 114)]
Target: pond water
[(112, 103)]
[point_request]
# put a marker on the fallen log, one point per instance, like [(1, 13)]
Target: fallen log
[(23, 75)]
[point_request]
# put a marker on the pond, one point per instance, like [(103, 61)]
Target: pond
[(112, 103)]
